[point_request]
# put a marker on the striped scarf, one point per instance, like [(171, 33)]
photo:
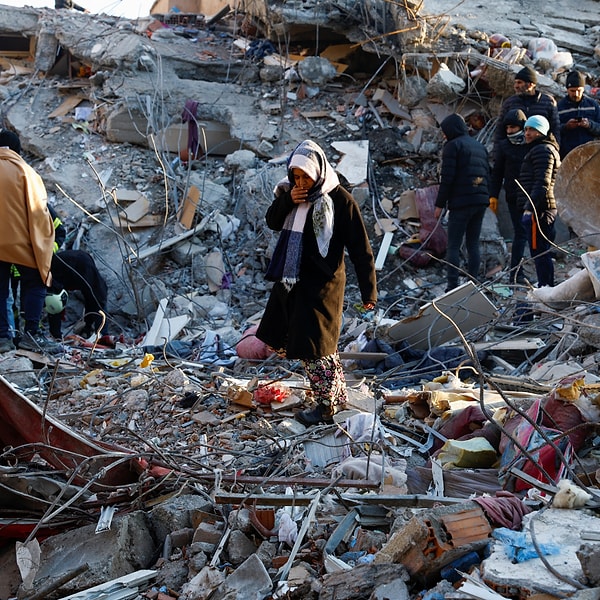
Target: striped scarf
[(287, 256)]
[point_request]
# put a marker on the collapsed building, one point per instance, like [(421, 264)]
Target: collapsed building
[(167, 463)]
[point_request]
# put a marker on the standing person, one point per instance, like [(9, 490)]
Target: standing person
[(536, 194), (464, 192), (318, 220), (532, 102), (508, 158), (76, 270), (579, 115), (26, 240)]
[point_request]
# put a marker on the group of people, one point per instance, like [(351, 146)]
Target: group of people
[(34, 275), (533, 135), (318, 222)]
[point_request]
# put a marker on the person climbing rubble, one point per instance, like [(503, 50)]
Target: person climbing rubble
[(318, 220), (77, 270)]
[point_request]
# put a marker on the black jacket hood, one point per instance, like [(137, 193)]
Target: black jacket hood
[(454, 126)]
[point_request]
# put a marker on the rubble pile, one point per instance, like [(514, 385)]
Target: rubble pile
[(163, 460)]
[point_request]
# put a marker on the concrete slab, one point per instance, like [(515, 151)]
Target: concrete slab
[(551, 526)]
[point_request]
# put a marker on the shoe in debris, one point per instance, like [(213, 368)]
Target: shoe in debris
[(316, 416), (6, 345), (39, 343)]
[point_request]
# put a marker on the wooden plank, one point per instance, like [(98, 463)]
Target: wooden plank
[(374, 356), (315, 114), (172, 241), (188, 209), (66, 107)]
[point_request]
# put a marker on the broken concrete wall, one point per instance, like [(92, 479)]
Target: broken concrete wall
[(396, 24)]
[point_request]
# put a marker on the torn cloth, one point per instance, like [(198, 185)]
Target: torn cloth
[(189, 116), (503, 510)]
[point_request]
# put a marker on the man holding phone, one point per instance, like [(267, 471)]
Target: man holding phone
[(579, 115)]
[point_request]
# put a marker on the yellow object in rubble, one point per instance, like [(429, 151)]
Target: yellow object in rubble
[(147, 360), (476, 453)]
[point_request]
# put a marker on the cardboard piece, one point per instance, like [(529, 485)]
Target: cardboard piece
[(123, 195), (137, 209), (407, 205), (391, 104), (465, 305), (145, 221)]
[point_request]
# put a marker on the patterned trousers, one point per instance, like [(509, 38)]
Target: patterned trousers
[(327, 381)]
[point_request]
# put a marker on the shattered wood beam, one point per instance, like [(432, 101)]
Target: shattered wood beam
[(310, 482), (264, 499), (414, 500), (289, 481), (172, 241)]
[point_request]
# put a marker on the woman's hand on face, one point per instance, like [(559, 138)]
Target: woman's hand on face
[(299, 195)]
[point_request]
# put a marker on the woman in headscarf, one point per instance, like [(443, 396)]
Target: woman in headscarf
[(318, 220)]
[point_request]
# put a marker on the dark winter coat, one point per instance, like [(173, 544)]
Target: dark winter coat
[(507, 167), (538, 174), (537, 104), (587, 108), (307, 320), (465, 169), (76, 270)]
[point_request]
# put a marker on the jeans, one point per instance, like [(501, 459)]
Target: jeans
[(540, 234), (519, 240), (33, 294), (464, 223)]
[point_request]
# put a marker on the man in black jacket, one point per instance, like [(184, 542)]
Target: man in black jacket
[(464, 191), (579, 115), (509, 156), (76, 270), (530, 101)]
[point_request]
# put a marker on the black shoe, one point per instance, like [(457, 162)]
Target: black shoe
[(316, 416), (6, 345), (39, 343)]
